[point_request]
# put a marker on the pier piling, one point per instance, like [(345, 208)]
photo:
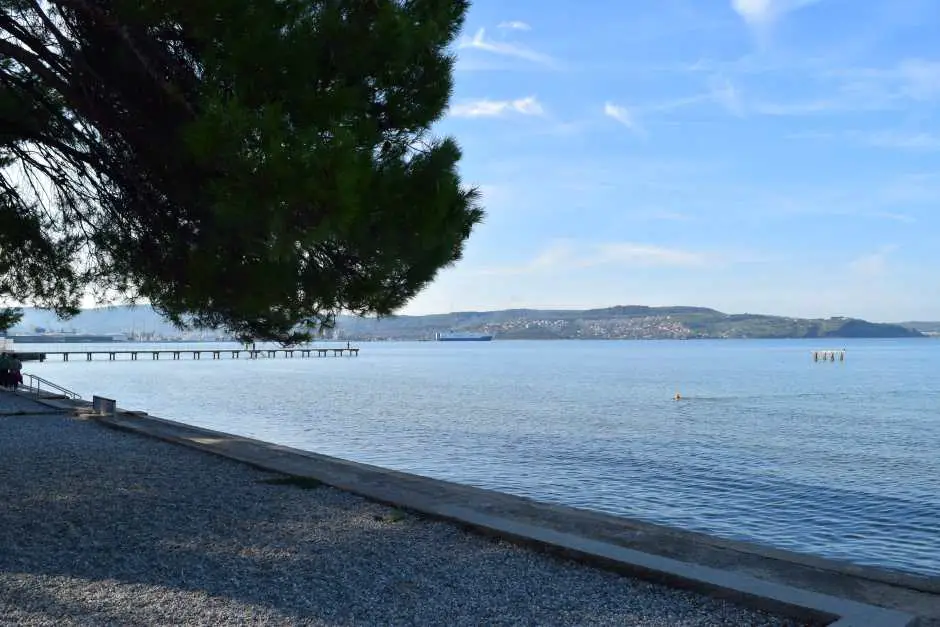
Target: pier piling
[(214, 353), (829, 355)]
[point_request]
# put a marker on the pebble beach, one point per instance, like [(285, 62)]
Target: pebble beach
[(104, 527)]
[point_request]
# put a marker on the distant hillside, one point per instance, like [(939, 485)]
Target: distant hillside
[(621, 322), (923, 327), (102, 320)]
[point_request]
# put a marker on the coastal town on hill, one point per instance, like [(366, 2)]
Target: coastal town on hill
[(142, 324)]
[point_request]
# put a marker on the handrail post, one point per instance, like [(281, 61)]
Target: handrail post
[(36, 386)]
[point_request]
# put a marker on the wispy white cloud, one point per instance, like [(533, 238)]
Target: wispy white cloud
[(624, 116), (815, 135), (897, 217), (674, 104), (514, 25), (890, 139), (716, 89), (753, 64), (748, 86), (799, 108), (925, 142), (564, 128), (725, 94), (762, 13), (754, 11), (662, 214), (494, 194), (832, 103), (920, 79), (479, 41), (720, 91), (904, 199), (873, 265), (828, 88), (631, 254), (494, 108), (912, 79), (568, 254)]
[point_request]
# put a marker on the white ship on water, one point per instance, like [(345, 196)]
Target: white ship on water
[(463, 336)]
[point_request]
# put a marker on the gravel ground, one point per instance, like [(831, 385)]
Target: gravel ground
[(105, 527), (20, 404)]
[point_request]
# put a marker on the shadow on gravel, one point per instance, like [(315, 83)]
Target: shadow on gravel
[(19, 404), (104, 526)]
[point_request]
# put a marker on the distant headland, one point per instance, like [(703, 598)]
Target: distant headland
[(620, 322)]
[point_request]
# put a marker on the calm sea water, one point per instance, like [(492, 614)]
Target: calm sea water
[(835, 459)]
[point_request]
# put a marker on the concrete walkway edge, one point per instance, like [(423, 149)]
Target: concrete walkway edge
[(747, 591), (395, 489)]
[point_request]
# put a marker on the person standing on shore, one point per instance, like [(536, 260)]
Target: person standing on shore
[(10, 371), (16, 372)]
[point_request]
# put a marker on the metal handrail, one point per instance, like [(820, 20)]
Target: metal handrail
[(36, 383)]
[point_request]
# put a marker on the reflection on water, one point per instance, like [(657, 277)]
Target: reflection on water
[(836, 459)]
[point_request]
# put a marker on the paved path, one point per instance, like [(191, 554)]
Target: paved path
[(20, 403), (99, 526)]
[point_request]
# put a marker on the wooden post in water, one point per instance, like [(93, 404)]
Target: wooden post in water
[(829, 355)]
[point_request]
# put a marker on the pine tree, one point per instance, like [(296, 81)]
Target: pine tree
[(257, 166), (9, 318)]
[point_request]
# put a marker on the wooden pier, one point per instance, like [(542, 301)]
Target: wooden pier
[(197, 353)]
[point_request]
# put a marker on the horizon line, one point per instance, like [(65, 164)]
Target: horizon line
[(560, 308)]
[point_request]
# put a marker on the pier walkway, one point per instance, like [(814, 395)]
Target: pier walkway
[(195, 353)]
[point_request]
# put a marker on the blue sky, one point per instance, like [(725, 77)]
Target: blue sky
[(774, 156)]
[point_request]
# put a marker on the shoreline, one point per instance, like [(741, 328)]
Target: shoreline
[(101, 526), (796, 585)]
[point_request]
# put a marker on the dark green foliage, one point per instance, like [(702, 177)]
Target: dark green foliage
[(9, 318), (258, 166)]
